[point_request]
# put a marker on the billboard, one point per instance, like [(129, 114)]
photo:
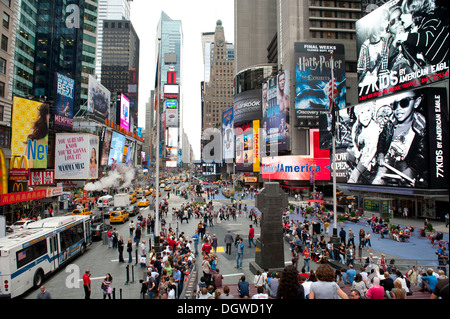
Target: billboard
[(29, 131), (124, 112), (399, 140), (315, 166), (117, 147), (172, 137), (65, 88), (247, 106), (314, 65), (171, 104), (99, 99), (171, 118), (401, 45), (275, 112), (228, 134), (247, 147), (106, 145), (76, 156)]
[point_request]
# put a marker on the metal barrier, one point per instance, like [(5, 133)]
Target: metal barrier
[(190, 286)]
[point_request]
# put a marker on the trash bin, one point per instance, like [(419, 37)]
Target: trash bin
[(105, 238)]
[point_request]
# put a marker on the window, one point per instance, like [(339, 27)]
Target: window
[(31, 253), (5, 20), (4, 44), (2, 89), (7, 3), (2, 66)]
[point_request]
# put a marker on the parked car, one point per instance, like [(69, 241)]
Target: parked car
[(132, 210), (97, 230), (21, 224), (118, 216)]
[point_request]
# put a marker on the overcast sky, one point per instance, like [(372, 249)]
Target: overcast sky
[(196, 17)]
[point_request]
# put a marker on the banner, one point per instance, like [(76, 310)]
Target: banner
[(99, 99), (106, 145), (64, 99), (29, 131), (399, 140), (228, 134), (275, 109), (402, 45), (76, 156), (41, 178), (314, 65), (124, 112)]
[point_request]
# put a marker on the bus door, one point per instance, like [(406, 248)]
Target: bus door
[(87, 232), (54, 251)]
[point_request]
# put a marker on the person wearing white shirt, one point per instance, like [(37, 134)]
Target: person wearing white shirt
[(260, 294), (306, 286)]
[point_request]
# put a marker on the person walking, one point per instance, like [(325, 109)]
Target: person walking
[(87, 284), (214, 243), (306, 257), (251, 236), (106, 286), (228, 241)]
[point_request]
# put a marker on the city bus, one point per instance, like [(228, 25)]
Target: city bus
[(27, 256)]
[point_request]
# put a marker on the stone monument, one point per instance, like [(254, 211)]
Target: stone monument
[(269, 250)]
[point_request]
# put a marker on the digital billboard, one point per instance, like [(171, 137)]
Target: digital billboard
[(247, 147), (313, 81), (402, 45), (171, 117), (228, 134), (315, 166), (99, 99), (117, 147), (247, 106), (399, 140), (124, 112), (76, 156), (106, 145), (65, 89), (29, 131), (171, 104), (275, 112)]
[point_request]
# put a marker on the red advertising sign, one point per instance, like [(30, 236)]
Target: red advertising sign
[(42, 178), (18, 174), (12, 198), (315, 166)]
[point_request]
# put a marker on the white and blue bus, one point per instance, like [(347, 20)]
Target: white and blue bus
[(28, 256)]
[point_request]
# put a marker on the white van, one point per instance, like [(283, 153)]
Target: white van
[(105, 201)]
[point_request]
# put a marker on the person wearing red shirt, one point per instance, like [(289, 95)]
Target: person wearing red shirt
[(87, 284), (251, 235), (376, 291), (206, 248)]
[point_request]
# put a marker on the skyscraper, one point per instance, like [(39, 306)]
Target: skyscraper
[(108, 10), (218, 91), (120, 62)]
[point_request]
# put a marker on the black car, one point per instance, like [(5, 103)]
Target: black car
[(132, 210), (107, 211), (97, 230)]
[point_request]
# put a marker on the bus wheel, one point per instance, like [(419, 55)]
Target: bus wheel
[(38, 278), (82, 249)]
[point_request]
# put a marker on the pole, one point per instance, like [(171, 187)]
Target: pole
[(158, 142), (334, 147)]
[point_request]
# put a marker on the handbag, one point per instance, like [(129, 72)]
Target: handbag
[(109, 290)]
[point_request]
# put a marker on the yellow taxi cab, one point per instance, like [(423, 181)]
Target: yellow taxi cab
[(144, 202), (119, 216), (154, 193), (133, 199), (167, 188), (132, 193), (81, 211), (147, 192)]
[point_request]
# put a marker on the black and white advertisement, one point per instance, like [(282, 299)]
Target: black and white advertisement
[(247, 106), (399, 140), (402, 45)]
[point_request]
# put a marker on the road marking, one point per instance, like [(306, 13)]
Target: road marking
[(95, 278), (232, 275)]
